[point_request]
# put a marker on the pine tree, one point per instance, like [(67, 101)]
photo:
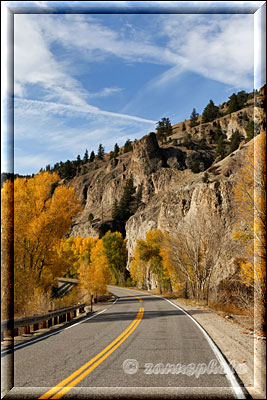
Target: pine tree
[(233, 104), (85, 158), (218, 132), (183, 127), (101, 152), (210, 113), (220, 151), (242, 97), (128, 146), (92, 156), (235, 141), (193, 118), (250, 130), (78, 161), (116, 150), (164, 129), (127, 206)]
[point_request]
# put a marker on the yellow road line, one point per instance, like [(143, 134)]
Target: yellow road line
[(87, 372), (119, 339), (124, 291)]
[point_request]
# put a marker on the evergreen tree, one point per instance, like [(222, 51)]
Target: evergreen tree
[(233, 104), (210, 113), (220, 151), (85, 157), (164, 129), (193, 118), (219, 133), (78, 161), (68, 170), (128, 146), (115, 210), (242, 97), (127, 206), (116, 150), (183, 127), (235, 141), (187, 142), (92, 156), (101, 152), (250, 130)]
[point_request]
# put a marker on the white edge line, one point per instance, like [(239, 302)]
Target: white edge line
[(86, 319), (18, 346), (229, 374)]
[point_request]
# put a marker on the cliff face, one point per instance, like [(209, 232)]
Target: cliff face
[(171, 194)]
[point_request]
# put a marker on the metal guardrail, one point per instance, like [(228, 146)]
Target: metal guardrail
[(46, 320)]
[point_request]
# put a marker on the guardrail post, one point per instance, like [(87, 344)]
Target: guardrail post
[(36, 326), (26, 325), (26, 330), (44, 324)]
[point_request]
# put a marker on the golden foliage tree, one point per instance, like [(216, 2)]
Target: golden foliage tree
[(71, 252), (115, 251), (250, 199), (43, 214), (139, 269), (149, 251), (7, 253), (94, 275)]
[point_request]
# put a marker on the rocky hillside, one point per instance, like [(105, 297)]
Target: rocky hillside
[(171, 188)]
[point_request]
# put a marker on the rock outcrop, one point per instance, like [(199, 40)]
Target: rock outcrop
[(170, 192)]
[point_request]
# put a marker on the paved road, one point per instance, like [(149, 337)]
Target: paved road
[(168, 356)]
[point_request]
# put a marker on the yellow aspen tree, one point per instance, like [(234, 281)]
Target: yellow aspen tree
[(250, 199), (100, 264), (7, 253), (95, 275), (149, 251), (138, 269), (42, 217)]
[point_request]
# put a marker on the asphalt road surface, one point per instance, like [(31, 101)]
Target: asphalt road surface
[(140, 346)]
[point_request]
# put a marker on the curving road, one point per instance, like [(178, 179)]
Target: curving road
[(141, 345)]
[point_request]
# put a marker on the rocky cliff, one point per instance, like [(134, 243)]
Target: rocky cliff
[(171, 193)]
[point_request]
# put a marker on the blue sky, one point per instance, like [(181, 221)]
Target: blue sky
[(85, 79)]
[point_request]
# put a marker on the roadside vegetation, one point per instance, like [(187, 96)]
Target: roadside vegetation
[(38, 212)]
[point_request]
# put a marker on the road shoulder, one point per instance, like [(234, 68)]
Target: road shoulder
[(245, 350)]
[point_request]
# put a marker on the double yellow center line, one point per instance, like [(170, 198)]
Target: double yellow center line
[(67, 384)]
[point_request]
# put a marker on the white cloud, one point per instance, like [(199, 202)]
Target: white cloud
[(105, 92), (31, 107), (218, 47)]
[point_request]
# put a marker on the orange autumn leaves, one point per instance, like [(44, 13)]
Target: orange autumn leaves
[(42, 216), (43, 212), (85, 259)]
